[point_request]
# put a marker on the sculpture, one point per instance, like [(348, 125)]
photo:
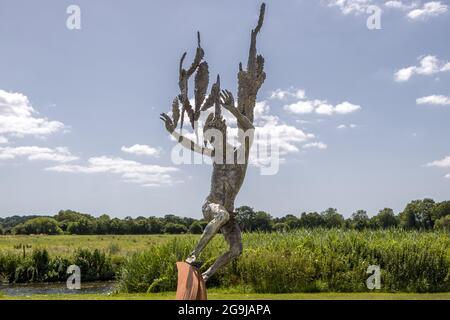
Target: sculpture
[(229, 162)]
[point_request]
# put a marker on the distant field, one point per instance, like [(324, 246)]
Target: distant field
[(121, 245)]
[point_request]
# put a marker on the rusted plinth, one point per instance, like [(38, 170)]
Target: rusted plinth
[(190, 283)]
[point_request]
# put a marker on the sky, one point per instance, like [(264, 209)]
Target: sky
[(362, 113)]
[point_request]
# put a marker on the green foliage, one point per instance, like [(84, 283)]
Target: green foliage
[(312, 220), (443, 223), (280, 227), (417, 215), (41, 225), (306, 261), (175, 228), (245, 217), (39, 266), (385, 219), (262, 221), (94, 265), (196, 228), (333, 219), (360, 220)]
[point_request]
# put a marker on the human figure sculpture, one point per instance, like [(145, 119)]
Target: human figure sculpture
[(230, 163)]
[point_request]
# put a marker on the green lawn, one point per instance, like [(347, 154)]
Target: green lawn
[(217, 295)]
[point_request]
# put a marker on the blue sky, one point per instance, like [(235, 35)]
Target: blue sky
[(363, 114)]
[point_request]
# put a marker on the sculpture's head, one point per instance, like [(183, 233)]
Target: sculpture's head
[(215, 130)]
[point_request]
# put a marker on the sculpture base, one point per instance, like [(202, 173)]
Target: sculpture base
[(190, 283)]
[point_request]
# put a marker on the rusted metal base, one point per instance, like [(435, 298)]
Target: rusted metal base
[(190, 283)]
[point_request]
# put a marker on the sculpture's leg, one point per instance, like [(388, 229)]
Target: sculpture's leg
[(232, 234), (220, 217)]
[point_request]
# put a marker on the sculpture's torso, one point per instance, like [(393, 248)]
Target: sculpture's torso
[(226, 182)]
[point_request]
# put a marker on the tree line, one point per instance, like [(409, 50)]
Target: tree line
[(418, 215)]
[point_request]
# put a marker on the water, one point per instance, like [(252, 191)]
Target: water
[(56, 288)]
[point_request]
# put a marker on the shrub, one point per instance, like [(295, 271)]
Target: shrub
[(94, 265), (195, 228), (41, 225), (305, 261), (175, 228)]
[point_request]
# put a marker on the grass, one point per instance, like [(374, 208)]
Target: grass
[(221, 295), (272, 263), (305, 261), (122, 245)]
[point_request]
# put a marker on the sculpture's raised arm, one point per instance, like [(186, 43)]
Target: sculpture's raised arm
[(185, 142), (227, 101), (250, 80)]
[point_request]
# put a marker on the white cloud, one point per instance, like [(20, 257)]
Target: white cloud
[(139, 149), (345, 126), (287, 137), (325, 109), (347, 7), (396, 4), (318, 145), (34, 153), (130, 171), (302, 107), (269, 128), (321, 107), (429, 9), (18, 117), (3, 140), (346, 107), (414, 13), (404, 74), (434, 100), (428, 65), (281, 94), (443, 163)]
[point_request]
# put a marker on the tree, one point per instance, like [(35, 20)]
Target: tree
[(82, 226), (174, 228), (418, 214), (385, 219), (292, 221), (65, 217), (311, 220), (360, 220), (280, 227), (333, 219), (245, 217), (262, 221), (443, 223), (195, 228), (154, 225), (103, 224), (42, 225), (441, 210)]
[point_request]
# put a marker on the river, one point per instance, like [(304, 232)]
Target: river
[(56, 288)]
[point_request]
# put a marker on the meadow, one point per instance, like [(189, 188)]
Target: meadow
[(302, 261)]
